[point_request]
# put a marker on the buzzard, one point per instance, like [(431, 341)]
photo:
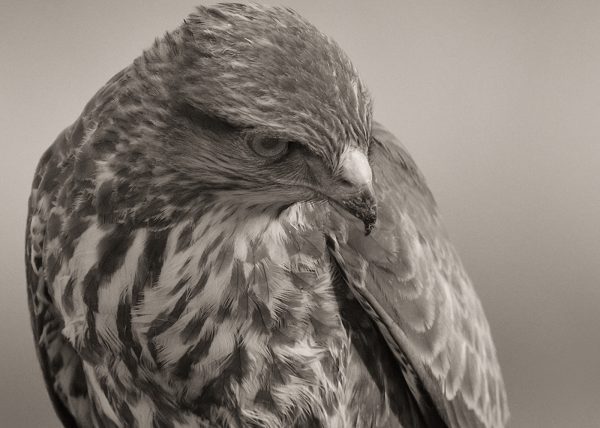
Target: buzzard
[(225, 238)]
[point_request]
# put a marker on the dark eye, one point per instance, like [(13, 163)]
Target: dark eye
[(269, 147)]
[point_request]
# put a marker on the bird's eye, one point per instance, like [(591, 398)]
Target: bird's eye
[(269, 147)]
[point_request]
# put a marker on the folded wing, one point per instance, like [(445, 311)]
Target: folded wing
[(408, 277)]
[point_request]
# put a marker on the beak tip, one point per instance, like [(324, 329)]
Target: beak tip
[(365, 209), (369, 228), (369, 221)]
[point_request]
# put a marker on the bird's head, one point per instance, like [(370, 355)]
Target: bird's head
[(254, 105)]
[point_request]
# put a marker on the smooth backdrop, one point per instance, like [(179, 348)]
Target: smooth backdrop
[(498, 101)]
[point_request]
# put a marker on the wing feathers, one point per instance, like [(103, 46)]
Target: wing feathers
[(408, 277), (60, 364)]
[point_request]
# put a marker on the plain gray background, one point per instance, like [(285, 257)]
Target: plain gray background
[(498, 101)]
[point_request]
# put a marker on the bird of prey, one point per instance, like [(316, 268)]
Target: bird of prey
[(225, 238)]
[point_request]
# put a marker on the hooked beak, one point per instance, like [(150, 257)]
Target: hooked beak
[(355, 192)]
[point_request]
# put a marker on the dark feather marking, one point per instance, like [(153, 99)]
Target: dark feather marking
[(53, 226), (261, 315), (282, 337), (91, 283), (198, 351), (53, 266), (303, 280), (167, 318), (193, 328), (37, 260), (239, 288), (105, 202), (106, 140), (223, 312), (56, 363), (131, 348), (218, 392), (323, 331), (200, 284), (184, 266), (183, 281), (204, 120), (112, 250), (259, 253), (139, 281), (124, 188), (209, 251), (227, 215), (279, 372), (149, 264), (237, 365), (264, 398), (67, 297), (224, 257), (162, 421), (185, 237), (86, 208), (166, 410), (78, 386), (125, 414), (153, 349), (152, 259)]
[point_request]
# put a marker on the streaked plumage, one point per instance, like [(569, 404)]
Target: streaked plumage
[(181, 274)]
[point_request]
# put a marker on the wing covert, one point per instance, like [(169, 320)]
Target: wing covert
[(60, 364), (408, 276)]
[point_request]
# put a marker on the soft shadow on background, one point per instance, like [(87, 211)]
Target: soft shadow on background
[(499, 103)]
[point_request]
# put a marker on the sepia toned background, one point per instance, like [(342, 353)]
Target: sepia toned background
[(498, 101)]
